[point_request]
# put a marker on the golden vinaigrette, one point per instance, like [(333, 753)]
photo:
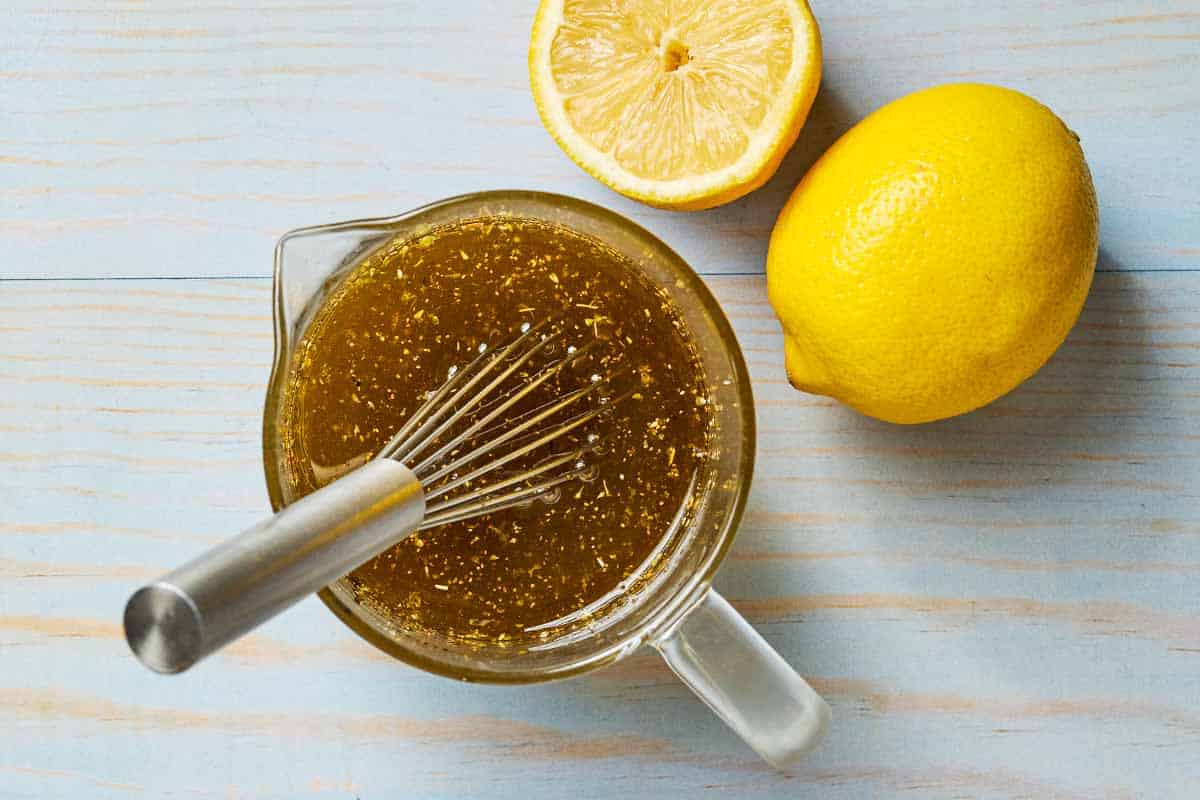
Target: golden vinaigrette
[(418, 307)]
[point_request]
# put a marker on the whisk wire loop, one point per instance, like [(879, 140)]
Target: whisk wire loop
[(492, 413), (466, 430), (443, 400), (470, 401)]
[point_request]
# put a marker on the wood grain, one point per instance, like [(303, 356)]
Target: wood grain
[(183, 139), (1000, 605)]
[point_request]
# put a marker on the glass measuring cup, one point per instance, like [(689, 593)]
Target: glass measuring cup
[(703, 639)]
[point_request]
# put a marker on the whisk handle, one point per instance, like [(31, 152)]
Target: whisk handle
[(207, 603)]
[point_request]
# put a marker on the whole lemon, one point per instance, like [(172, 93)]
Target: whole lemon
[(937, 255)]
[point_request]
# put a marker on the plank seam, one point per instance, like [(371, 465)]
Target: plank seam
[(92, 278)]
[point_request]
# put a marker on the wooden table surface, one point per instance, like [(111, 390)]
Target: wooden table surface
[(1001, 605)]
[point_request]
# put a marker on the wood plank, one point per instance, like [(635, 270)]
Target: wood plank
[(183, 138), (998, 605)]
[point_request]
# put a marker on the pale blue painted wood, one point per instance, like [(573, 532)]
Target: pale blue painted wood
[(167, 139)]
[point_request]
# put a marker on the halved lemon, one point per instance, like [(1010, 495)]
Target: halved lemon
[(682, 104)]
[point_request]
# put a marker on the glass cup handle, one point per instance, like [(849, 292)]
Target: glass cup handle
[(740, 677)]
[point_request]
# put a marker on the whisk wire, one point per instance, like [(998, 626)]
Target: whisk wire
[(479, 396), (430, 405), (494, 443), (551, 463), (462, 412), (495, 411), (443, 400), (490, 505), (548, 436)]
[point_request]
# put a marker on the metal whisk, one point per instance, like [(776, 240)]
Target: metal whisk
[(445, 464)]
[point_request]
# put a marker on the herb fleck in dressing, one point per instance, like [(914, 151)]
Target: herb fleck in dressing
[(418, 307)]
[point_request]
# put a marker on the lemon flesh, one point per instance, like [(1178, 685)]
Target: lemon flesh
[(683, 104), (937, 255)]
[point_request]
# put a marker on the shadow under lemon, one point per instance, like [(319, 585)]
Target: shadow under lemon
[(1069, 424), (1055, 426)]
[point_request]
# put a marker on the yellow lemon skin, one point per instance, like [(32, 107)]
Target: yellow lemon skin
[(937, 255)]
